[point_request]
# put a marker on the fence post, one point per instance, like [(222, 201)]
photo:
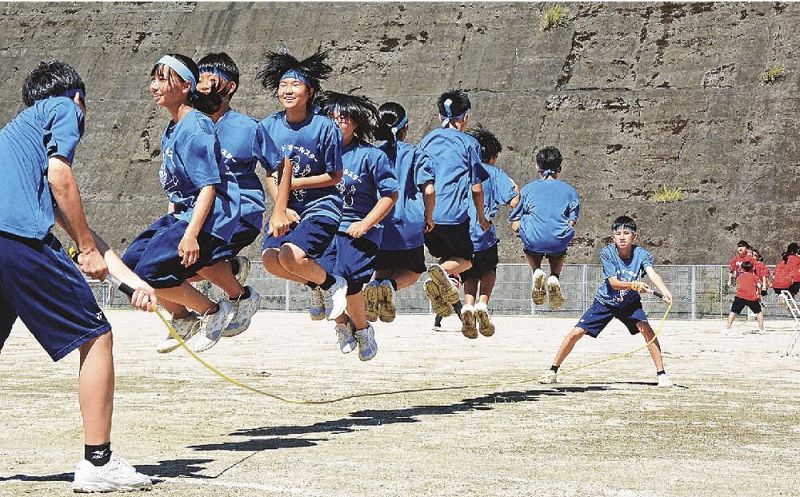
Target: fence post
[(693, 289), (584, 294), (533, 307), (286, 295)]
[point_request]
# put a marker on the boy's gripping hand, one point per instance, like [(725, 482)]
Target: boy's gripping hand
[(281, 221), (144, 298), (189, 250), (93, 264), (640, 286)]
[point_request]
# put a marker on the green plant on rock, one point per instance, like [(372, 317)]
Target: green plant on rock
[(668, 194), (773, 74), (554, 17)]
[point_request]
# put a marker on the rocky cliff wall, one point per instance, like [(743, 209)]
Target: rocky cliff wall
[(637, 97)]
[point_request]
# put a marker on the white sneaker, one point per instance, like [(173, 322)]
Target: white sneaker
[(114, 476), (212, 326), (549, 378), (345, 337), (485, 325), (386, 309), (554, 290), (336, 299), (371, 300), (468, 327), (367, 346), (244, 269), (244, 309), (316, 310), (186, 329), (664, 381), (539, 292)]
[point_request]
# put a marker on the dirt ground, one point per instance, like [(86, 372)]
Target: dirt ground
[(730, 428)]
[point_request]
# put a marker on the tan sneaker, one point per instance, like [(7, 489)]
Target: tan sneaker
[(539, 292), (554, 289)]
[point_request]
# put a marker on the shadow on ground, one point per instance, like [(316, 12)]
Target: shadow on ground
[(377, 417)]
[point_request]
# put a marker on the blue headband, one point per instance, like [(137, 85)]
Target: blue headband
[(449, 114), (624, 226), (218, 72), (70, 94), (547, 173), (295, 74), (397, 127), (179, 67)]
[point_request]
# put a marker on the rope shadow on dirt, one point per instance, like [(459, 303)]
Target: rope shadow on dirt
[(377, 417)]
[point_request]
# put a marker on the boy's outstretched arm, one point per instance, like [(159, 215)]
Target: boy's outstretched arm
[(375, 216), (429, 200), (318, 181), (281, 219), (67, 197), (659, 282)]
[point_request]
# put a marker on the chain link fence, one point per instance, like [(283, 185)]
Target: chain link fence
[(699, 292)]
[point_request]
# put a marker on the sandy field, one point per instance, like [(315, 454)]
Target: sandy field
[(471, 423)]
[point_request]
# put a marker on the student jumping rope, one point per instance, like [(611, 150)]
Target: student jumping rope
[(242, 148), (748, 286), (545, 219), (39, 282), (369, 191), (401, 259), (618, 297), (479, 280), (203, 212), (458, 173), (304, 224)]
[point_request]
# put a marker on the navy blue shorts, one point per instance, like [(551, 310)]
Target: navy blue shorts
[(153, 255), (548, 255), (243, 237), (450, 240), (595, 319), (483, 262), (41, 285), (411, 259), (351, 258), (312, 235)]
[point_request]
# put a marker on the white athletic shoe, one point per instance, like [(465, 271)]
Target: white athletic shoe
[(345, 337), (114, 476), (212, 326), (336, 299), (244, 309), (316, 311), (468, 325), (367, 346), (549, 378), (664, 381), (371, 300), (386, 309), (485, 325), (186, 329), (539, 292), (554, 290), (244, 269)]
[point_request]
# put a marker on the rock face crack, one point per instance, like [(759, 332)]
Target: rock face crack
[(579, 39)]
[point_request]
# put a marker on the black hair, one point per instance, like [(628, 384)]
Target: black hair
[(747, 266), (220, 62), (793, 248), (785, 257), (624, 222), (50, 79), (314, 68), (757, 254), (207, 104), (459, 103), (359, 109), (390, 115), (549, 159), (743, 243), (490, 145)]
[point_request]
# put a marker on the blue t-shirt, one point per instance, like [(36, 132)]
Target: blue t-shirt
[(545, 208), (192, 159), (50, 127), (368, 176), (244, 144), (624, 270), (404, 226), (498, 190), (457, 167), (314, 147)]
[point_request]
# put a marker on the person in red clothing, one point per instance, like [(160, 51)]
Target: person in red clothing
[(743, 254), (747, 294), (782, 279), (762, 271), (793, 260)]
